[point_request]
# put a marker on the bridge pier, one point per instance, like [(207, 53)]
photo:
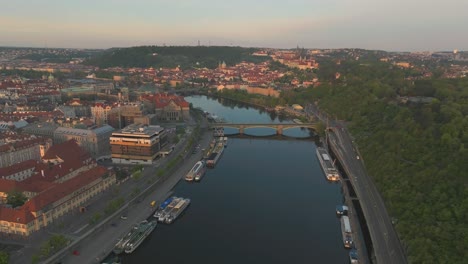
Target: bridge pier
[(241, 130), (279, 130)]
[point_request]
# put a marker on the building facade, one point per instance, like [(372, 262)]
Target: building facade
[(168, 107), (18, 151), (137, 144), (126, 115), (100, 113), (94, 141), (64, 180), (41, 129)]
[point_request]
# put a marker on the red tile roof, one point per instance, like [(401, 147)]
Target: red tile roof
[(61, 190), (9, 185), (18, 167), (20, 215), (68, 151), (161, 100)]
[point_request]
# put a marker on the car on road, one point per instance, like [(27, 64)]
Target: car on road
[(123, 217)]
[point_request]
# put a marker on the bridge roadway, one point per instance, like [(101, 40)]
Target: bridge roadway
[(386, 244), (279, 127)]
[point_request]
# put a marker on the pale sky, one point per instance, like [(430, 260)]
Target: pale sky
[(392, 25)]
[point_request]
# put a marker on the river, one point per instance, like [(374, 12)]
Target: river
[(266, 201)]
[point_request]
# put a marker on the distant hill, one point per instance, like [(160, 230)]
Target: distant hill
[(172, 56)]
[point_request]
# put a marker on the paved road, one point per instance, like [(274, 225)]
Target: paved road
[(385, 241)]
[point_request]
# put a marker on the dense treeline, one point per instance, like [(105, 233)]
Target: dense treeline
[(173, 56), (417, 153)]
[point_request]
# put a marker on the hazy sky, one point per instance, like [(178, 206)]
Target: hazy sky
[(371, 24)]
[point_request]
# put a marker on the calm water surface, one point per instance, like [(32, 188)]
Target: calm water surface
[(266, 201)]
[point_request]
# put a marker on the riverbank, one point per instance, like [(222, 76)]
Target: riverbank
[(97, 245)]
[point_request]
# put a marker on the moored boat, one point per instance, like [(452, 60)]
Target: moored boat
[(178, 209), (144, 229), (341, 210), (120, 246), (353, 256), (162, 207), (215, 155), (327, 165), (200, 171), (346, 232), (165, 213), (196, 172)]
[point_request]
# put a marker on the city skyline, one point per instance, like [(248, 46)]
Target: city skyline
[(382, 25)]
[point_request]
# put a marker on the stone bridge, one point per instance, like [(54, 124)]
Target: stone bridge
[(278, 127)]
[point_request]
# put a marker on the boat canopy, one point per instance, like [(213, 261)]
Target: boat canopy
[(341, 208), (165, 203)]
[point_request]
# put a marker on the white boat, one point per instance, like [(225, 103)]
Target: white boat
[(346, 232), (196, 172), (327, 165)]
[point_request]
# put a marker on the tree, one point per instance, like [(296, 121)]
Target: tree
[(16, 198), (4, 257)]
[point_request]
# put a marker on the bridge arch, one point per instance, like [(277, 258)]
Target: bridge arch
[(280, 127)]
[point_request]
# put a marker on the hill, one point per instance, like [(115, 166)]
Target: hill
[(416, 151), (173, 56)]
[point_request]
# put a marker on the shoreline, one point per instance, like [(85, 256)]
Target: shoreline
[(98, 242)]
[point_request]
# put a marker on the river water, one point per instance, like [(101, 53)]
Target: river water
[(266, 201)]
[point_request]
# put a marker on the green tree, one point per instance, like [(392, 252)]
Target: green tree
[(16, 198), (4, 257)]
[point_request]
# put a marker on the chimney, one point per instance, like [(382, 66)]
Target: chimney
[(42, 172)]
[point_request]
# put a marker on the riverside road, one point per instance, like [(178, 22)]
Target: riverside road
[(387, 247)]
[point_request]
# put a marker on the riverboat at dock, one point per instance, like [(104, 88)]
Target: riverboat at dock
[(215, 154), (144, 229), (327, 165), (346, 232), (197, 171)]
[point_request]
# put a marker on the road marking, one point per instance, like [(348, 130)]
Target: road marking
[(81, 229)]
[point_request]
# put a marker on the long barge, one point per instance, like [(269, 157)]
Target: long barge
[(120, 245), (215, 155), (144, 229), (346, 232), (331, 173)]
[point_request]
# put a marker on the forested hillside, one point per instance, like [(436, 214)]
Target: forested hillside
[(173, 56), (417, 152)]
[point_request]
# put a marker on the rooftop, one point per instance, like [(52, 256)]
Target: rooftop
[(139, 130)]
